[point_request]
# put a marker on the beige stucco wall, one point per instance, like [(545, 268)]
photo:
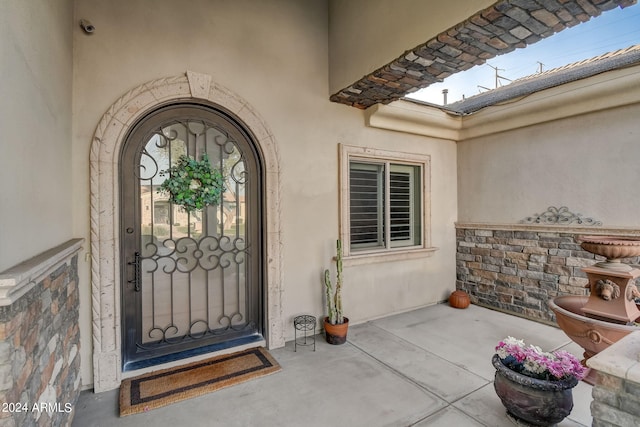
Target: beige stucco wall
[(587, 163), (35, 121), (368, 34), (275, 56)]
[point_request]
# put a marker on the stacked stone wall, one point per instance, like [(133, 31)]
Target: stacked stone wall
[(39, 352), (616, 401), (517, 270)]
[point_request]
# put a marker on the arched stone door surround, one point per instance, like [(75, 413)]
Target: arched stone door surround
[(105, 228)]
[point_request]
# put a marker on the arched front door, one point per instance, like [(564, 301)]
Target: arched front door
[(191, 281)]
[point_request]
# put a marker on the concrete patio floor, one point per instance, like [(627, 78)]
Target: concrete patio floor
[(428, 367)]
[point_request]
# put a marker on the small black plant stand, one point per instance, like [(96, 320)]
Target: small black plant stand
[(306, 325)]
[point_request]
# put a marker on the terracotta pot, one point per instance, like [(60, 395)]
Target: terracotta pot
[(459, 299), (336, 334), (537, 402)]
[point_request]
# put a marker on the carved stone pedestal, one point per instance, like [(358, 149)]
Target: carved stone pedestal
[(613, 295)]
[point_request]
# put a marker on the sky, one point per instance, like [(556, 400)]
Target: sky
[(612, 30)]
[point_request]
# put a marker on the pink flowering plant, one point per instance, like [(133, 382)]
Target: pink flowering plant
[(533, 362)]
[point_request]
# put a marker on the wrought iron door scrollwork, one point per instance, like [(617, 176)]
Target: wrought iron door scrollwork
[(200, 269), (208, 253), (171, 333)]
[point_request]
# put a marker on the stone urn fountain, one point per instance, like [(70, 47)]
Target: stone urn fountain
[(609, 312), (613, 249)]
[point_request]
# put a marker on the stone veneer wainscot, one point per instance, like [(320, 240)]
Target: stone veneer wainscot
[(517, 268), (616, 394), (40, 339)]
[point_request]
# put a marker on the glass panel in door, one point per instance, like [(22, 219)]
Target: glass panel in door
[(193, 280)]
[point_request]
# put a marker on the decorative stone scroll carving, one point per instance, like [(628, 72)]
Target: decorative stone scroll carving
[(559, 216)]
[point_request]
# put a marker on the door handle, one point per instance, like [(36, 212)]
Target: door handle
[(136, 272)]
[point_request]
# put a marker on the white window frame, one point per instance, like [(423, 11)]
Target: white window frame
[(350, 153)]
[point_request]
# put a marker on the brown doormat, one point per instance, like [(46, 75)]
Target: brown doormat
[(167, 386)]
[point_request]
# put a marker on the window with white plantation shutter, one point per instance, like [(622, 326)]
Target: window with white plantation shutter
[(404, 204), (385, 205), (366, 188)]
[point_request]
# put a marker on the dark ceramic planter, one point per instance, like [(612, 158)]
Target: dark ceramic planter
[(336, 334), (537, 402)]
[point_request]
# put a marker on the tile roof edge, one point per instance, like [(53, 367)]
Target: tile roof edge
[(615, 60)]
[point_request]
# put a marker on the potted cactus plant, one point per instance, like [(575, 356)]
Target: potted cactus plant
[(335, 324)]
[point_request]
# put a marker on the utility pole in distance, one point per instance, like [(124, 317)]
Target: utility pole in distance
[(498, 76)]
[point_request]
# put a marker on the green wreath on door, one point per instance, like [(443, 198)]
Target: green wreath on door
[(192, 184)]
